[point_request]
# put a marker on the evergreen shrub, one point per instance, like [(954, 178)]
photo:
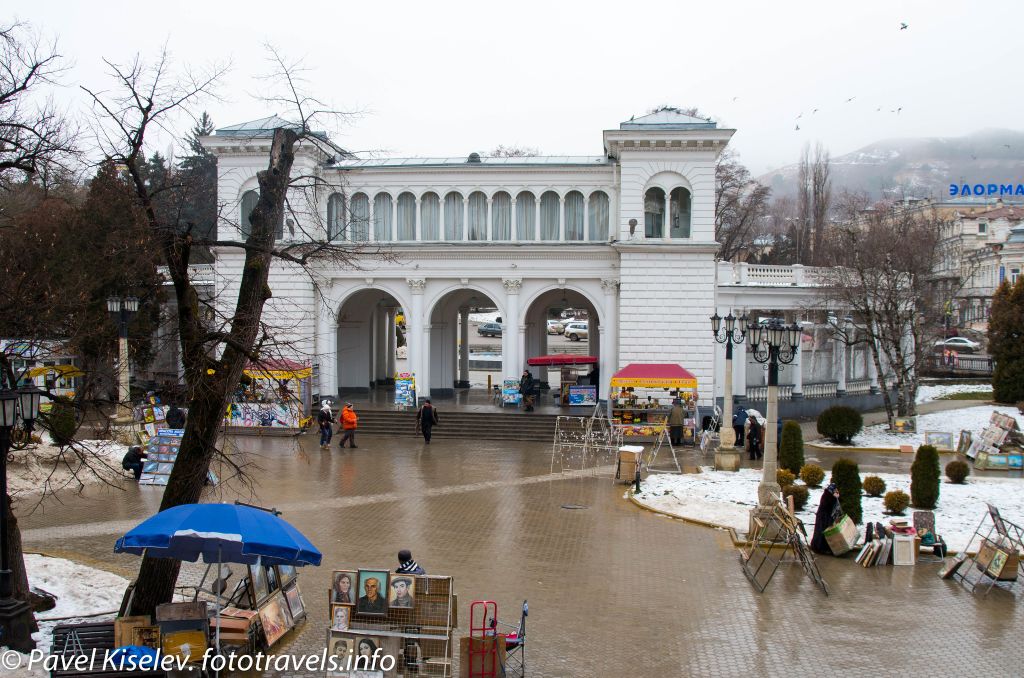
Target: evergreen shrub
[(791, 447), (957, 471), (924, 478), (874, 486), (840, 424), (812, 475), (896, 502), (799, 494)]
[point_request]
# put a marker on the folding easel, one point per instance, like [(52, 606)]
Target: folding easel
[(775, 529)]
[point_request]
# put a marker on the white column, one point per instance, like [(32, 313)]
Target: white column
[(536, 219), (840, 367), (561, 219), (586, 217), (419, 234), (465, 218), (739, 373), (326, 353), (515, 220), (610, 333), (380, 345), (464, 344), (391, 345), (416, 339), (666, 230), (510, 358), (798, 368)]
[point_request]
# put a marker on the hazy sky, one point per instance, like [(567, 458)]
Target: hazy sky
[(448, 78)]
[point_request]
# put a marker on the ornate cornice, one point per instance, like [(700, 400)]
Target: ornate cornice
[(610, 285)]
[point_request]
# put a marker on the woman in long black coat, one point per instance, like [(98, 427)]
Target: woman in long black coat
[(824, 519)]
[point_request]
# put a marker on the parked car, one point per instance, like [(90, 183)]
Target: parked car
[(576, 331), (555, 327), (958, 344), (489, 330)]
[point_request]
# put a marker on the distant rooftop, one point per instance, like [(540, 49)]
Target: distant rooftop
[(575, 160), (667, 119), (261, 127)]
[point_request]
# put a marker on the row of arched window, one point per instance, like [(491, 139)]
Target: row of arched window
[(454, 218)]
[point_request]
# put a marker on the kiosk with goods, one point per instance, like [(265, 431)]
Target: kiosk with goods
[(576, 387), (276, 399), (642, 395)]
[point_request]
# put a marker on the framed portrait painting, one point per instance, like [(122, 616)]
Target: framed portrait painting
[(296, 606), (343, 587), (372, 591), (402, 592), (340, 617)]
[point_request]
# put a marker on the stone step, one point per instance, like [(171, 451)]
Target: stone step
[(459, 424)]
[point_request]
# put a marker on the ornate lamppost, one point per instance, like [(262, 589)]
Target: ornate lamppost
[(15, 615), (123, 309), (727, 457), (772, 343)]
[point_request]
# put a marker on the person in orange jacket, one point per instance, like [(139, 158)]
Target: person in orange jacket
[(349, 421)]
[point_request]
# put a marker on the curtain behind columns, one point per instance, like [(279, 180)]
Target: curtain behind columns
[(336, 217), (477, 216), (430, 217), (501, 216), (406, 216), (574, 216), (382, 227), (453, 216), (525, 208), (598, 216), (680, 213), (249, 200), (360, 226), (549, 208)]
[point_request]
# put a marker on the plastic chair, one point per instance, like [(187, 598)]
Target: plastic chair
[(515, 644), (924, 522)]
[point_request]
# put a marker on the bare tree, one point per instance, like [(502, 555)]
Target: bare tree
[(878, 265), (814, 196), (740, 207), (34, 134), (152, 96), (502, 151)]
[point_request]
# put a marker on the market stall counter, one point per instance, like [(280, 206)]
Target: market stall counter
[(641, 397), (277, 399), (578, 377)]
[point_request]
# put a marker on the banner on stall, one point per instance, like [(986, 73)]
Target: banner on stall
[(510, 394), (582, 395), (405, 389)]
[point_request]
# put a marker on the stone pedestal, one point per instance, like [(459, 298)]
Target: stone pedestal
[(727, 459)]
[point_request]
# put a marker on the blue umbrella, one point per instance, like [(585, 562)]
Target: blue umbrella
[(220, 533)]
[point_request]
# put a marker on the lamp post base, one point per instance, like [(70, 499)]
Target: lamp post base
[(768, 493), (16, 625), (727, 459)]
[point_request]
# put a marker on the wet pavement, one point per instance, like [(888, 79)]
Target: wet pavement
[(614, 590)]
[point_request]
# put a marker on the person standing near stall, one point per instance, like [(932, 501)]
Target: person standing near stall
[(739, 423), (426, 418), (526, 388), (676, 419), (325, 419)]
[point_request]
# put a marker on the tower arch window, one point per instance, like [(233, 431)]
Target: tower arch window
[(336, 217), (249, 200), (654, 213), (549, 205), (501, 216), (680, 215)]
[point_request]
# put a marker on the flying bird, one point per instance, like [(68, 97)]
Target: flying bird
[(850, 99), (898, 110), (797, 128), (878, 110), (799, 116), (903, 26), (735, 98), (1006, 145), (814, 111)]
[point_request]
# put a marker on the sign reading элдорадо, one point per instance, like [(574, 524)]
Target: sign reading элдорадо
[(964, 190)]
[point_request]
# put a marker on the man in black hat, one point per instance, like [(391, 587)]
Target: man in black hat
[(400, 596)]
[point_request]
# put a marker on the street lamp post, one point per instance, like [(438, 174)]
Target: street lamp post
[(15, 615), (772, 343), (727, 457), (123, 309)]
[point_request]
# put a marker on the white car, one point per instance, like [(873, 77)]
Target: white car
[(575, 331), (958, 344), (555, 327)]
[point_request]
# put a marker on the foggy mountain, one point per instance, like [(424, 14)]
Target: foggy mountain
[(919, 167)]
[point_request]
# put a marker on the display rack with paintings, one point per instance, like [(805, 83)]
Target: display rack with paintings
[(994, 554), (1000, 446), (773, 531), (409, 617)]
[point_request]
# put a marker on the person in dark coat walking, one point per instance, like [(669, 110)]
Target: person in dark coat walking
[(739, 421), (426, 419), (325, 419), (825, 518)]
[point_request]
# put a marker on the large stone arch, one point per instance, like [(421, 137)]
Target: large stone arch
[(365, 336), (446, 311)]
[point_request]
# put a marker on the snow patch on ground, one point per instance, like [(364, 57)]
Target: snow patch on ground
[(929, 392), (491, 317), (972, 419), (80, 590), (50, 468), (725, 499)]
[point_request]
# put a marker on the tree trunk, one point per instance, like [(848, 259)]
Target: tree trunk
[(16, 558)]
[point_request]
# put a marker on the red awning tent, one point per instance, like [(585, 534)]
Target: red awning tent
[(654, 375), (556, 359)]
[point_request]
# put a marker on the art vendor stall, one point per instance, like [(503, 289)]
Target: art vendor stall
[(578, 387), (277, 399), (641, 396)]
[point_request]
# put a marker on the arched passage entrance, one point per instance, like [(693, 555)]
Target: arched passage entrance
[(367, 341), (465, 330), (581, 330)]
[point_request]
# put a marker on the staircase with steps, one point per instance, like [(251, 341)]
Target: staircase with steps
[(531, 426)]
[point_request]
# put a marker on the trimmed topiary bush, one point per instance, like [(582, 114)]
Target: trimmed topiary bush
[(896, 502), (846, 476), (784, 477), (812, 475), (791, 447), (924, 478), (60, 422), (874, 486), (957, 471), (799, 494), (840, 424)]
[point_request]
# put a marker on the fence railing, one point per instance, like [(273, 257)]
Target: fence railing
[(965, 364)]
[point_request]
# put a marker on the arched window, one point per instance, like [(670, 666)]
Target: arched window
[(249, 200), (654, 213), (680, 214), (359, 226), (501, 216), (477, 216), (430, 217), (336, 217), (526, 215), (574, 215), (549, 205), (406, 216), (453, 216), (382, 217), (598, 217)]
